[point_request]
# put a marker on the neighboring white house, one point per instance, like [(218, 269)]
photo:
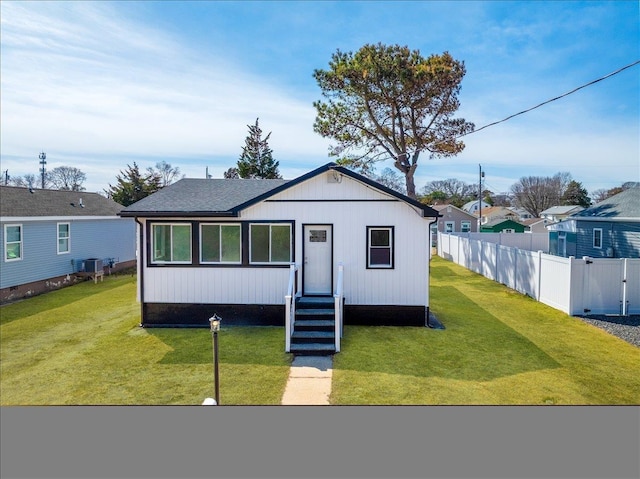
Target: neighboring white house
[(473, 206), (559, 213), (227, 246)]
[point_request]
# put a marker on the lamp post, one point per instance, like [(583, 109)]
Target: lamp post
[(214, 322)]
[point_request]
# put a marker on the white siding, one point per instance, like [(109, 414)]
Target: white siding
[(348, 205)]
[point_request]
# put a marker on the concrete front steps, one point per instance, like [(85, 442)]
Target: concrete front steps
[(314, 326)]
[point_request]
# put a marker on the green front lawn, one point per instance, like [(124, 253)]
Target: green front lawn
[(499, 347), (83, 345)]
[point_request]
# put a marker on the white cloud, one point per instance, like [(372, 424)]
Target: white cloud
[(78, 77)]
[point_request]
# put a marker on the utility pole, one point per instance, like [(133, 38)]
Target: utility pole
[(43, 157)]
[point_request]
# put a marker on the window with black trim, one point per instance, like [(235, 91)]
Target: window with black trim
[(270, 243), (64, 237), (171, 243), (220, 243), (380, 247)]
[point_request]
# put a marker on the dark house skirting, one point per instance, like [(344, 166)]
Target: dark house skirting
[(165, 315)]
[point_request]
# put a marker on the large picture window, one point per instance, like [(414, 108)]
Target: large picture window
[(64, 236), (220, 243), (380, 247), (171, 243), (12, 242), (270, 243)]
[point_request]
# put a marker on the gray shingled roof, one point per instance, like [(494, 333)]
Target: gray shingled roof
[(210, 196), (20, 202), (623, 205)]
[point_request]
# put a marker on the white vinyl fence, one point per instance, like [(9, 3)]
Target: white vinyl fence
[(575, 286)]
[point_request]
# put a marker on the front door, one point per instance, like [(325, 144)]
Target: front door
[(317, 267)]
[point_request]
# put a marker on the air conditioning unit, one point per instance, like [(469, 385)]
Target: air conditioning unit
[(92, 265)]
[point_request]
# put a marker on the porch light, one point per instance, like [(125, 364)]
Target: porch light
[(214, 323)]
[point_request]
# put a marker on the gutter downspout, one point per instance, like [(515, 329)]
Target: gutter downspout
[(141, 274)]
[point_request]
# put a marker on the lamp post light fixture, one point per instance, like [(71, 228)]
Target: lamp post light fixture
[(214, 323)]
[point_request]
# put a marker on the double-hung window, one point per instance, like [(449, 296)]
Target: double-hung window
[(64, 237), (597, 238), (171, 243), (448, 226), (380, 247), (465, 226), (12, 242), (270, 243), (220, 243)]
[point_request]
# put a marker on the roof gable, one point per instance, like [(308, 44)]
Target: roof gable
[(227, 197), (32, 202)]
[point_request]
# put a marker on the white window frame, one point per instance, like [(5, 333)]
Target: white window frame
[(597, 237), (465, 226), (221, 225), (449, 226), (171, 261), (270, 262), (21, 243), (508, 230), (390, 229), (67, 238)]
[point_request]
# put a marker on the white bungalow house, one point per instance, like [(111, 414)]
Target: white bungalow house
[(327, 248)]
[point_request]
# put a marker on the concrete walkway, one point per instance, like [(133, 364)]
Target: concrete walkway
[(309, 381)]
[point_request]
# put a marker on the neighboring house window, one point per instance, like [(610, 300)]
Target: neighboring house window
[(465, 226), (171, 243), (379, 247), (64, 235), (597, 238), (269, 243), (448, 226), (220, 243), (508, 230), (12, 242)]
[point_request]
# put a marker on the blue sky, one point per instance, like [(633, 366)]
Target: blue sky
[(99, 85)]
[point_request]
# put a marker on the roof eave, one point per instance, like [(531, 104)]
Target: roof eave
[(186, 214)]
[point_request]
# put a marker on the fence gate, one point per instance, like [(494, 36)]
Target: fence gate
[(602, 286)]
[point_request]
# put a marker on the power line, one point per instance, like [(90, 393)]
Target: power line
[(553, 99)]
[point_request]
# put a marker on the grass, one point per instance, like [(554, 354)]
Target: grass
[(82, 345), (498, 348)]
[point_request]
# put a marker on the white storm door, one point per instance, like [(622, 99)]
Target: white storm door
[(318, 259)]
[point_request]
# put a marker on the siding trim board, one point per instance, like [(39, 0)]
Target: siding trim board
[(172, 315)]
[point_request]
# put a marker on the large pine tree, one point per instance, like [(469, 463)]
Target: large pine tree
[(256, 160)]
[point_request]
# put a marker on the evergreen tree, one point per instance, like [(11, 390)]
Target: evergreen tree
[(576, 194), (256, 160), (133, 186)]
